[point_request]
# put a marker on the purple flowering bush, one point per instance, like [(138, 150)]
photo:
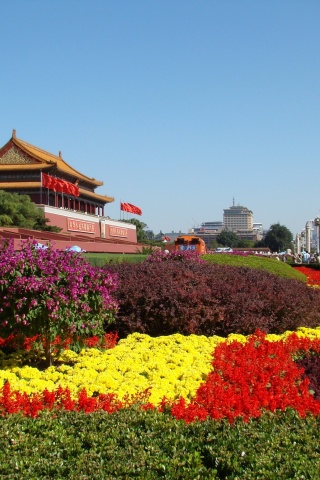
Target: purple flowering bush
[(53, 292), (179, 255)]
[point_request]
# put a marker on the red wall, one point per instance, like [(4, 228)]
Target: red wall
[(90, 226)]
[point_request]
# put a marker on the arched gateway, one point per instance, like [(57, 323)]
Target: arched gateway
[(66, 196)]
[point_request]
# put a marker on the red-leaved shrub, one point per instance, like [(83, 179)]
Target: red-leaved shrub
[(187, 297)]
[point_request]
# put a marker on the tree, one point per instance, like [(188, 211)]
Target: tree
[(149, 235), (41, 223), (140, 226), (227, 238), (278, 238), (19, 211), (51, 292), (244, 243)]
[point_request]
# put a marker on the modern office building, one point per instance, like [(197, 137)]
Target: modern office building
[(237, 218)]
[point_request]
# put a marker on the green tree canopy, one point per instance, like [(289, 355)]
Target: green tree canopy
[(19, 211), (140, 226), (227, 238), (278, 238)]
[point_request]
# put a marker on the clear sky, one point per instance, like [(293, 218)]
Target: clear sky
[(179, 107)]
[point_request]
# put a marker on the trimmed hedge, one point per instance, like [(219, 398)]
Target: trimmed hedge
[(209, 299), (101, 259), (149, 445), (270, 265)]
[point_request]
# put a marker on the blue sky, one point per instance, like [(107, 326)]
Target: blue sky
[(179, 107)]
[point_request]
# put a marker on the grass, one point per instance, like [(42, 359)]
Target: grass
[(270, 265), (101, 259)]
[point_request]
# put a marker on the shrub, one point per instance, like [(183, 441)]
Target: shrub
[(178, 255), (162, 298), (258, 262), (310, 363), (53, 292), (148, 445), (101, 259)]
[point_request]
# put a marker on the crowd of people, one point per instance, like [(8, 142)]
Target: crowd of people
[(306, 257)]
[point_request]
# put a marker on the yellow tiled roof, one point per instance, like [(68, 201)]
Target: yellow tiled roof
[(8, 185), (25, 166), (104, 198), (25, 185), (50, 159)]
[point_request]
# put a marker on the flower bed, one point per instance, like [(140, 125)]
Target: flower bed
[(312, 274), (243, 378), (144, 408)]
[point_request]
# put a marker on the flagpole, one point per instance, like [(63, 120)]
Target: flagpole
[(41, 188)]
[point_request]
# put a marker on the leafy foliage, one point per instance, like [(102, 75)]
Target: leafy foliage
[(53, 292), (257, 262), (227, 238), (140, 228), (148, 445), (278, 238), (310, 362), (177, 255), (101, 259), (162, 298), (19, 211)]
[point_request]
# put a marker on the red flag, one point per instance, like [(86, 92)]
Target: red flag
[(134, 209), (125, 207), (128, 207), (74, 190), (59, 185), (47, 181)]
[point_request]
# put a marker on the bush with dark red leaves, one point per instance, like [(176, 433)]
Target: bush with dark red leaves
[(208, 299), (311, 365)]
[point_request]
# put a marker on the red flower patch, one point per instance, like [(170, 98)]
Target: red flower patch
[(312, 275), (248, 379)]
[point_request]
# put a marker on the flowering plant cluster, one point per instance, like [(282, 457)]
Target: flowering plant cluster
[(30, 405), (170, 366), (312, 274), (177, 255), (16, 342), (53, 292), (250, 378), (245, 377)]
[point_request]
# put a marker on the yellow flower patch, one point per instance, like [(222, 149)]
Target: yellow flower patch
[(170, 366)]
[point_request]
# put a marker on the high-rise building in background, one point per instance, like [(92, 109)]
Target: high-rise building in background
[(237, 218)]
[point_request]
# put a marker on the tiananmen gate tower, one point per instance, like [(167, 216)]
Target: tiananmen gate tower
[(67, 198)]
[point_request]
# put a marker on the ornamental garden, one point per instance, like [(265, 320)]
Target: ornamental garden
[(178, 366)]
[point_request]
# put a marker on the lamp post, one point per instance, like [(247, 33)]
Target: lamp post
[(302, 237), (308, 236), (316, 222), (298, 245)]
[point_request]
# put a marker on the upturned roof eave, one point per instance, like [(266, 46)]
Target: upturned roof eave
[(26, 185), (52, 160)]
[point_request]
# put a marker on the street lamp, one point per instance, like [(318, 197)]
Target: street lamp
[(316, 222), (302, 236), (308, 236)]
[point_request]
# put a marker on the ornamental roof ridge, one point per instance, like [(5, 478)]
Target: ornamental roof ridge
[(51, 159)]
